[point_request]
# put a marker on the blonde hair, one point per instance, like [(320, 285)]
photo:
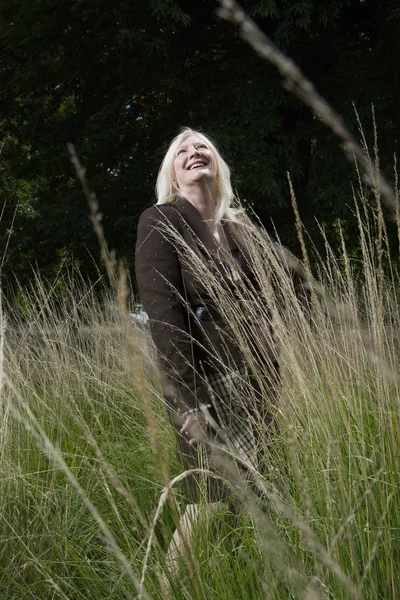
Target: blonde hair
[(168, 193)]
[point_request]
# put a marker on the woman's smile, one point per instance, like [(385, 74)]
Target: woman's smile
[(197, 164)]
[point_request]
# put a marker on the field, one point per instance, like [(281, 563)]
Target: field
[(87, 448)]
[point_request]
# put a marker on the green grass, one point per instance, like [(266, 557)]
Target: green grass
[(81, 478)]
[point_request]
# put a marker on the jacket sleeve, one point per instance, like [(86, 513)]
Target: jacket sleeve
[(294, 268), (160, 284)]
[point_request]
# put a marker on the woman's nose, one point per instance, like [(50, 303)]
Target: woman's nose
[(194, 151)]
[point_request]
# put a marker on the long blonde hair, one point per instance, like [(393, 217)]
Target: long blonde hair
[(167, 192)]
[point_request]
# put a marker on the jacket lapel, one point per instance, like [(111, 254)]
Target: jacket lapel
[(206, 242), (201, 230), (197, 227)]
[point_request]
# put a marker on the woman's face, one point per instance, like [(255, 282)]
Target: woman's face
[(194, 161)]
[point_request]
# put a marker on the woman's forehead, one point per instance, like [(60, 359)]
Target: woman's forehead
[(191, 139)]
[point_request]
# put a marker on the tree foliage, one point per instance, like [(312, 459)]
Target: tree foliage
[(119, 79)]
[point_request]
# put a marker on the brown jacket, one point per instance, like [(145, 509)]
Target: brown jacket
[(170, 292)]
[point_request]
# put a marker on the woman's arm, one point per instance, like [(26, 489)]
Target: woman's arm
[(160, 284)]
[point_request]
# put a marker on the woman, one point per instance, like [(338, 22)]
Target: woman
[(202, 364)]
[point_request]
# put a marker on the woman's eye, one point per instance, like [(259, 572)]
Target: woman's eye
[(180, 151), (201, 146)]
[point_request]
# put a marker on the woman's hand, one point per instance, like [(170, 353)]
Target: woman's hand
[(194, 426)]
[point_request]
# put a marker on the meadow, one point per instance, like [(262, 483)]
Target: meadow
[(87, 451)]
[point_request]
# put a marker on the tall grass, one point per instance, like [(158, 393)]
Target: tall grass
[(81, 481), (74, 449)]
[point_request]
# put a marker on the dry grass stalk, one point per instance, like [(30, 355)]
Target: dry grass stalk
[(120, 285)]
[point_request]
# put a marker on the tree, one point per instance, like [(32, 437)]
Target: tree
[(118, 80)]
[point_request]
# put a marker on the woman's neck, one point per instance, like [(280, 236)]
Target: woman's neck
[(202, 198)]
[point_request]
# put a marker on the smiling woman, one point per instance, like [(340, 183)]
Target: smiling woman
[(168, 187), (203, 369)]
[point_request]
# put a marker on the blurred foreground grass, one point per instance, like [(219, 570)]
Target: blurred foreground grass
[(80, 481)]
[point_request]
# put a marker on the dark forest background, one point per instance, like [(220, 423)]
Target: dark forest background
[(118, 79)]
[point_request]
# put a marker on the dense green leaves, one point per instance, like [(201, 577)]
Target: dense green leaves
[(118, 80)]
